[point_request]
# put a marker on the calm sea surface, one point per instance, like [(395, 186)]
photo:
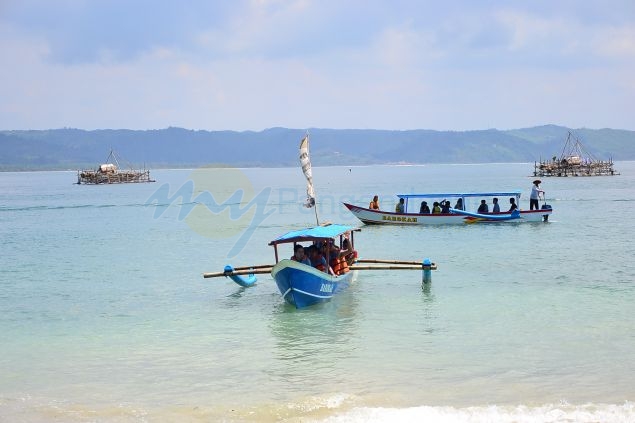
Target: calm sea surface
[(105, 316)]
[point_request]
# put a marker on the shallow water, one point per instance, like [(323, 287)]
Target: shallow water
[(104, 314)]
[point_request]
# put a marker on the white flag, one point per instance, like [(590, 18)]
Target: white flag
[(306, 169)]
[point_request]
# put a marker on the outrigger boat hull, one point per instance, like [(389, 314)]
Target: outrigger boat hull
[(302, 285)]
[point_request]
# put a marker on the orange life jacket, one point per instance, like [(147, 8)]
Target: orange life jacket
[(344, 265), (336, 265)]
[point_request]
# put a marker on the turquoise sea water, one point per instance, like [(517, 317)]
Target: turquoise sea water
[(104, 314)]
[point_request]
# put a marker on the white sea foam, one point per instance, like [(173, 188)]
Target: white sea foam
[(551, 413)]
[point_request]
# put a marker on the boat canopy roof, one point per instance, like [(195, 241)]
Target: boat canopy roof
[(462, 194), (317, 233)]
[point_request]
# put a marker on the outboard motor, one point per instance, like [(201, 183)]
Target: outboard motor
[(545, 217)]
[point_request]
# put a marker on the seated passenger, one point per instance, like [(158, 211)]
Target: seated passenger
[(459, 204), (400, 207), (327, 252), (435, 208), (317, 259), (512, 205), (374, 205), (299, 256), (445, 206), (496, 208), (347, 252), (483, 208), (424, 208)]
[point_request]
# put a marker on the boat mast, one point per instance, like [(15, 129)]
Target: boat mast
[(305, 161)]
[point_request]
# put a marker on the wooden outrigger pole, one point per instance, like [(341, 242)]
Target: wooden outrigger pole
[(380, 265), (389, 267), (415, 263)]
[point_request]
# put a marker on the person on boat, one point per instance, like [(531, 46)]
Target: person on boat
[(512, 204), (424, 209), (459, 204), (400, 207), (535, 195), (299, 256), (436, 209), (337, 256), (374, 205), (496, 208), (347, 251), (331, 253), (317, 259), (445, 206), (483, 208)]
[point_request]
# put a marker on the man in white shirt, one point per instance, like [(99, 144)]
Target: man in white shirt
[(535, 195)]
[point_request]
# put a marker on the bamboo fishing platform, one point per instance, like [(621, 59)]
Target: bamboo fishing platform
[(111, 173), (574, 161)]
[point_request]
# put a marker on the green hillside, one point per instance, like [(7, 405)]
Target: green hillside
[(177, 147)]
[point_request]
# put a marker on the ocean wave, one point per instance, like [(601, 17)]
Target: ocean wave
[(317, 410), (551, 413)]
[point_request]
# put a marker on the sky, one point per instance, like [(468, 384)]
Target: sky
[(343, 64)]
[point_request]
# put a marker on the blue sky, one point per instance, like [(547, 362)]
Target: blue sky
[(250, 65)]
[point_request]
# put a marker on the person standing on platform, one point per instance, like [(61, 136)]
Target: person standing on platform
[(535, 195)]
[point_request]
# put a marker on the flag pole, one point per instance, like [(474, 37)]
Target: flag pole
[(305, 162)]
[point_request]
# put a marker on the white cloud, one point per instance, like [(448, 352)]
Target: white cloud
[(616, 43), (303, 64)]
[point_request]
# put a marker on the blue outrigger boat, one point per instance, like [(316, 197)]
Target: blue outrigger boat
[(302, 285)]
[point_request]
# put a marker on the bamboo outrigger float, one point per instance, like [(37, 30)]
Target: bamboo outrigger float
[(111, 173), (574, 161)]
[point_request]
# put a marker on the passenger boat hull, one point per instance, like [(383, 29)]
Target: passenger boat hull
[(302, 285), (369, 216)]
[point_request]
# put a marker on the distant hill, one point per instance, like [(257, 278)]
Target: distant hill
[(278, 147)]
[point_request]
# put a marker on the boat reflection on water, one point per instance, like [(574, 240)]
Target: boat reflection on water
[(314, 343), (426, 289)]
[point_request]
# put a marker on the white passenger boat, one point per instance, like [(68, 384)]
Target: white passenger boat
[(412, 210)]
